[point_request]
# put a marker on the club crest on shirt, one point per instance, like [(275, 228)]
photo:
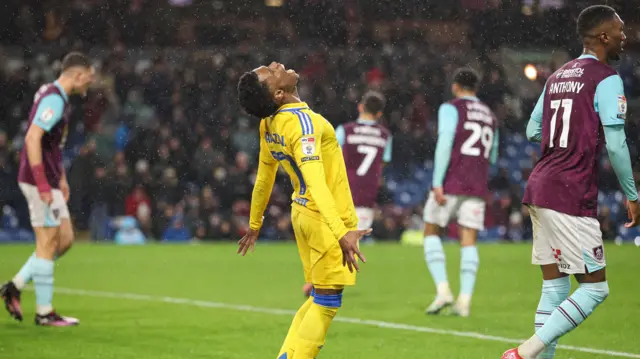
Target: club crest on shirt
[(46, 115), (622, 107), (308, 145)]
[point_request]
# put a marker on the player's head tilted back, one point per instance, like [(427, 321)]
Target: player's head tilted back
[(602, 32), (372, 105), (465, 82), (262, 91), (77, 72)]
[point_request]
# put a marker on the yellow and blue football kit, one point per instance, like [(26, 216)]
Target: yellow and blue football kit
[(305, 144)]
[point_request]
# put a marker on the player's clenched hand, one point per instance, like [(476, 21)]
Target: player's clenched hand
[(247, 242), (349, 245), (633, 209), (440, 198)]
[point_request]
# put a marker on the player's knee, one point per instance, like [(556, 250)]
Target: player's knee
[(66, 238), (46, 243), (430, 229), (468, 236)]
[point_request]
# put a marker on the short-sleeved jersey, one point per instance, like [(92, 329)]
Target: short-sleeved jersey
[(366, 145), (296, 136), (468, 171), (51, 112), (565, 177)]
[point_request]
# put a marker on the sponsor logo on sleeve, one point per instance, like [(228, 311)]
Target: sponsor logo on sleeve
[(622, 107), (310, 158), (308, 145)]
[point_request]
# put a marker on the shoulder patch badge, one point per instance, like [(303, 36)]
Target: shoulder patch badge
[(622, 107), (308, 145), (46, 115)]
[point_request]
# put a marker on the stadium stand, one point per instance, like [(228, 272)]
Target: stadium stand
[(160, 139)]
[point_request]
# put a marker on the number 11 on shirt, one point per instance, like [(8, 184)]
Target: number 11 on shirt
[(566, 104)]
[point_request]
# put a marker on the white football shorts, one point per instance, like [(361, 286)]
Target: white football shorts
[(573, 243), (469, 211), (42, 214)]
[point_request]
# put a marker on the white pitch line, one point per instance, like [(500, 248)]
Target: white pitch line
[(373, 323)]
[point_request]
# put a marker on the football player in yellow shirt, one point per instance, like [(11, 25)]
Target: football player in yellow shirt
[(323, 215)]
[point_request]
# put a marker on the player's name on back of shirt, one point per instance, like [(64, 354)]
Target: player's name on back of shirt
[(564, 87), (366, 140), (477, 111), (274, 138)]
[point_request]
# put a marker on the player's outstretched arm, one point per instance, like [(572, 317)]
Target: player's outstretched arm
[(259, 200), (266, 176)]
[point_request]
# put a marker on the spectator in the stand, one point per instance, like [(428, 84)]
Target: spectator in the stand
[(238, 185), (138, 206), (493, 90), (137, 109), (179, 159), (204, 158), (162, 162), (83, 168), (179, 127), (169, 189), (120, 183), (177, 231), (245, 139), (219, 227), (99, 215)]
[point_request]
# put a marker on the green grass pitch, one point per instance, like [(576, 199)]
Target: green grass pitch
[(203, 301)]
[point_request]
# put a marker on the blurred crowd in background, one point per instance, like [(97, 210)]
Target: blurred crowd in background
[(160, 137)]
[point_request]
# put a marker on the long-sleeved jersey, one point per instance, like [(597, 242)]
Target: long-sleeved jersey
[(304, 143)]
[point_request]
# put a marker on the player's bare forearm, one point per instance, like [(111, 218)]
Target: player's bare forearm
[(261, 193), (314, 176), (63, 173)]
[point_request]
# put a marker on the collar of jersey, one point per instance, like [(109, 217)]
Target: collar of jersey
[(291, 107), (587, 56), (472, 98), (365, 122), (64, 94)]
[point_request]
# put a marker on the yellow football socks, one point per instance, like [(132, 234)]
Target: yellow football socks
[(313, 330), (289, 342)]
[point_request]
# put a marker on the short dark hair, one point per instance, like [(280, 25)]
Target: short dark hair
[(254, 97), (467, 78), (373, 102), (74, 59), (592, 17)]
